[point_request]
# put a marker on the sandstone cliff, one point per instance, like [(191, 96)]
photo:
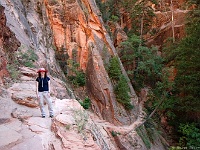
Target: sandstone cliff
[(76, 25), (46, 27)]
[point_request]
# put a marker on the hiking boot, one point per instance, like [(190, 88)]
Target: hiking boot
[(43, 116)]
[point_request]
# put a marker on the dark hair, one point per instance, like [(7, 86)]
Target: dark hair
[(39, 74)]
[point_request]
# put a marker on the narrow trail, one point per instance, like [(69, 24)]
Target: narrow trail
[(23, 126), (124, 130)]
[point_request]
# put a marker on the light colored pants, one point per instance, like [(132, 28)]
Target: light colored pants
[(45, 95)]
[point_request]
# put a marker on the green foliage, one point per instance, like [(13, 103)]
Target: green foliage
[(182, 104), (74, 55), (142, 133), (78, 76), (28, 58), (129, 47), (187, 63), (114, 133), (13, 71), (140, 12), (177, 148), (86, 103), (185, 55), (162, 91), (114, 70), (114, 18), (109, 10), (121, 88), (153, 131), (15, 59), (148, 64), (191, 135), (78, 79), (81, 119), (67, 126), (122, 95)]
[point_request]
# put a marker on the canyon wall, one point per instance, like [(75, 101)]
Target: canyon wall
[(48, 26), (8, 45), (77, 26)]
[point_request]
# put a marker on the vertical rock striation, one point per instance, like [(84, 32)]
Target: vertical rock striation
[(76, 25), (8, 44)]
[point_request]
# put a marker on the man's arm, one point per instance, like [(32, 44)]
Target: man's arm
[(49, 86)]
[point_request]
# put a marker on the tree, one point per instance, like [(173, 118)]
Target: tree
[(109, 9), (114, 70), (141, 15), (184, 102), (191, 135), (187, 62), (121, 91), (121, 87), (143, 64), (127, 54)]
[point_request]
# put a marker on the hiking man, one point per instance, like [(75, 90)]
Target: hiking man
[(43, 91)]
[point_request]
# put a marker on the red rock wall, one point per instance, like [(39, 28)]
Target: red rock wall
[(76, 25), (162, 22), (8, 44)]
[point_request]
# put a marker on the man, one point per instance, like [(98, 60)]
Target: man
[(43, 91)]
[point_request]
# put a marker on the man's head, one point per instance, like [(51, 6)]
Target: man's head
[(42, 72)]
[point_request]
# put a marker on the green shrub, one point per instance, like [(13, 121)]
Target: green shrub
[(114, 133), (68, 126), (121, 88), (81, 119), (114, 18), (122, 95), (114, 70), (12, 69), (142, 133), (190, 135), (28, 58), (177, 148), (86, 103), (128, 106), (78, 79)]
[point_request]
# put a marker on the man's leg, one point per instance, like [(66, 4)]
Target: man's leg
[(49, 102), (41, 103)]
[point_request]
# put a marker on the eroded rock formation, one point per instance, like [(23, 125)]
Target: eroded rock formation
[(8, 44), (77, 26), (71, 25)]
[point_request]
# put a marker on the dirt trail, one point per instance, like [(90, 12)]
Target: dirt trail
[(124, 130)]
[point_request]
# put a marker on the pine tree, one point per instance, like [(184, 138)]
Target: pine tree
[(187, 81), (114, 69), (121, 91), (184, 102), (143, 64)]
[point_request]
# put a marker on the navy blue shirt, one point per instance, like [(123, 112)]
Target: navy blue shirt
[(43, 84)]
